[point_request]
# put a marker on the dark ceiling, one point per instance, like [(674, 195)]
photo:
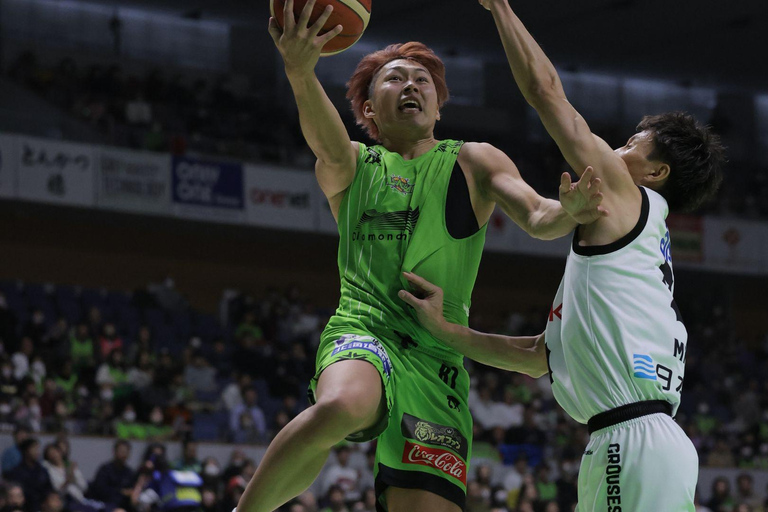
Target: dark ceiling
[(702, 42)]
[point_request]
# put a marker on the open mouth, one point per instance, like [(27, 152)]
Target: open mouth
[(410, 106)]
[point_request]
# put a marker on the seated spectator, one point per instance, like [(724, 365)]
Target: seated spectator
[(114, 480), (35, 328), (52, 502), (112, 375), (66, 380), (141, 375), (14, 498), (155, 430), (31, 475), (247, 420), (232, 396), (745, 492), (54, 341), (721, 498), (81, 348), (143, 344), (335, 500), (11, 456), (8, 324), (22, 359), (248, 327), (109, 341), (341, 475), (189, 460), (9, 385), (200, 376), (65, 480)]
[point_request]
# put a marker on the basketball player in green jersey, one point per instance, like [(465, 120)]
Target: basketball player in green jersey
[(410, 203)]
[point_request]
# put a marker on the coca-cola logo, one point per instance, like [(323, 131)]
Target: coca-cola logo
[(436, 458)]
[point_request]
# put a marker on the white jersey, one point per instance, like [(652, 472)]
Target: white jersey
[(614, 334)]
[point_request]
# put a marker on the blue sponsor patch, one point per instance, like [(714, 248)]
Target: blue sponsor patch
[(643, 367), (372, 346)]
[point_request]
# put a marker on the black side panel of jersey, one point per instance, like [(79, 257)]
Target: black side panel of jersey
[(459, 216)]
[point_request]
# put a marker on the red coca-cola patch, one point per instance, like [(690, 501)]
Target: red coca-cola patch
[(443, 460)]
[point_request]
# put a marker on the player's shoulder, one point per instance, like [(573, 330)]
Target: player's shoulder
[(482, 157)]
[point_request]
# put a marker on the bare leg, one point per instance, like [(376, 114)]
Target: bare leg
[(417, 500), (349, 399)]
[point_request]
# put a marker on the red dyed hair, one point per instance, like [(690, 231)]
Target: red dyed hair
[(359, 85)]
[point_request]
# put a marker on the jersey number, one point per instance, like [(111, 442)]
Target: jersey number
[(448, 375)]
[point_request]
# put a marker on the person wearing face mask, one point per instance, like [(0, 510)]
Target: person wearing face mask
[(9, 385), (22, 359), (212, 474)]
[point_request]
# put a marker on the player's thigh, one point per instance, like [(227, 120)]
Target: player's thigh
[(417, 500)]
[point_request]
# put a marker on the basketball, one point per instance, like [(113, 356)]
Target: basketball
[(353, 15)]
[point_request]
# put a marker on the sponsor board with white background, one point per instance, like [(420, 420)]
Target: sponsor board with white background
[(280, 198), (52, 171), (55, 172), (137, 181), (8, 163)]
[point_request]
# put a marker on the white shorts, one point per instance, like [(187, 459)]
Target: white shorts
[(646, 464)]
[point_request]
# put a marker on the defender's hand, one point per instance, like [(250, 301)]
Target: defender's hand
[(427, 301), (298, 43), (582, 199)]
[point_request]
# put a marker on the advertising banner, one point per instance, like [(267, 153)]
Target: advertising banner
[(281, 198), (134, 181), (208, 190), (8, 164), (55, 172)]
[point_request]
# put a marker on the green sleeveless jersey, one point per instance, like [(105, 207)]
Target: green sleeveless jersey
[(392, 219)]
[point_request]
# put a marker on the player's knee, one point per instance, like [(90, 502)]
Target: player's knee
[(352, 410)]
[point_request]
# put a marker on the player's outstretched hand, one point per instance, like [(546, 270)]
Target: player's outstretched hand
[(582, 200), (298, 42), (427, 300)]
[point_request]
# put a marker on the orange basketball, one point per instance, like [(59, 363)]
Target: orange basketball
[(353, 15)]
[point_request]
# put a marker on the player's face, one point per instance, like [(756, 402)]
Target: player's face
[(635, 154), (404, 99)]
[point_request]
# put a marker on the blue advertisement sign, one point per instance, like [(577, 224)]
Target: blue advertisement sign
[(207, 183)]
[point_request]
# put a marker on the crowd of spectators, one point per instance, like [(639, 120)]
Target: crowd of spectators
[(166, 110), (145, 367)]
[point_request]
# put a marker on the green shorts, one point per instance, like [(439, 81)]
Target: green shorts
[(425, 439)]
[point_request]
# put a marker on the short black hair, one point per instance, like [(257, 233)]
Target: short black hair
[(694, 154), (121, 442), (26, 444)]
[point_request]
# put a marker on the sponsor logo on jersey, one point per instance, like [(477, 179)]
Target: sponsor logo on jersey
[(373, 156), (373, 347), (643, 367), (434, 434), (613, 478), (442, 460), (403, 222), (400, 184)]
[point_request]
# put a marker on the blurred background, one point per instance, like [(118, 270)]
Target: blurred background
[(167, 261)]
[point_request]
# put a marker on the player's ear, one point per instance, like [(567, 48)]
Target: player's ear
[(438, 115), (660, 173), (368, 111)]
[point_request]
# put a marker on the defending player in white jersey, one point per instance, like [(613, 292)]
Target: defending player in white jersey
[(614, 343)]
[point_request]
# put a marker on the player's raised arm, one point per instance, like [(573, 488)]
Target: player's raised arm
[(499, 181), (524, 354), (540, 84), (300, 46)]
